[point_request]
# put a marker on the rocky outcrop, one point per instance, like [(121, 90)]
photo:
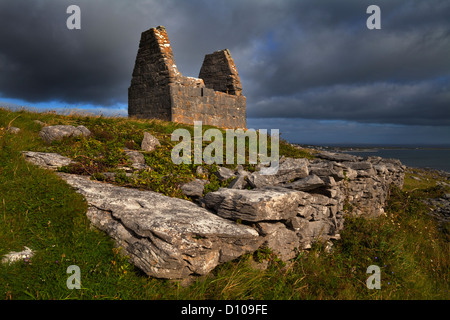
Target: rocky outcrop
[(305, 201), (46, 160), (149, 143), (254, 205), (53, 133), (362, 185), (14, 130), (440, 209), (137, 159), (165, 237), (25, 255), (194, 188)]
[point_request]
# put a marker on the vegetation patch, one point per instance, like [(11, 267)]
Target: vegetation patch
[(40, 211)]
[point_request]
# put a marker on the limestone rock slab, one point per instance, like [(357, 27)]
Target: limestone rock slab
[(46, 160), (53, 133), (165, 237), (254, 205)]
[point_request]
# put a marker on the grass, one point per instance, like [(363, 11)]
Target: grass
[(39, 210)]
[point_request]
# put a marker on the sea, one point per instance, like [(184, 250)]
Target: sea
[(419, 158)]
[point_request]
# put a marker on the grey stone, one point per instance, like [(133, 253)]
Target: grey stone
[(165, 237), (329, 181), (319, 212), (333, 156), (381, 168), (25, 255), (53, 133), (194, 188), (282, 241), (110, 176), (14, 130), (361, 165), (224, 173), (310, 231), (149, 143), (350, 174), (240, 182), (201, 171), (289, 169), (369, 173), (305, 212), (84, 131), (137, 159), (323, 168), (306, 184), (39, 122), (254, 205), (46, 160), (257, 180), (321, 228)]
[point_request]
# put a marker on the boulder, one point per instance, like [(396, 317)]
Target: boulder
[(14, 130), (361, 165), (149, 143), (289, 169), (224, 173), (201, 171), (323, 168), (257, 180), (282, 241), (46, 160), (137, 159), (39, 122), (194, 188), (53, 133), (239, 182), (310, 231), (254, 205), (334, 156), (25, 255), (306, 184), (165, 237)]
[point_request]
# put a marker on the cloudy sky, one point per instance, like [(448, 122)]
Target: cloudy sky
[(309, 68)]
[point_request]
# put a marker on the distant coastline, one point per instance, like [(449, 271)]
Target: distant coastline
[(429, 157)]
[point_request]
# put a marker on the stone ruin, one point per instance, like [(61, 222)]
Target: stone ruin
[(158, 90)]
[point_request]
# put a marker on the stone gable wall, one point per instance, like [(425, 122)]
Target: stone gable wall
[(158, 90)]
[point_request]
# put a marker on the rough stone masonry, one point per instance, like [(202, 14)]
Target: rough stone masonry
[(158, 90)]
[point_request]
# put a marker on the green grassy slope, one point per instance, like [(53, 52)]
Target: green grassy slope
[(40, 211)]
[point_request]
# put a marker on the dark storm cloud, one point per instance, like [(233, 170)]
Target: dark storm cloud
[(423, 103), (305, 59)]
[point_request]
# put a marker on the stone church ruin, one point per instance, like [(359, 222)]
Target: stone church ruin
[(158, 90)]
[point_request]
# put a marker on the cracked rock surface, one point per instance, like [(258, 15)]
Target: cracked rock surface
[(174, 238), (165, 237)]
